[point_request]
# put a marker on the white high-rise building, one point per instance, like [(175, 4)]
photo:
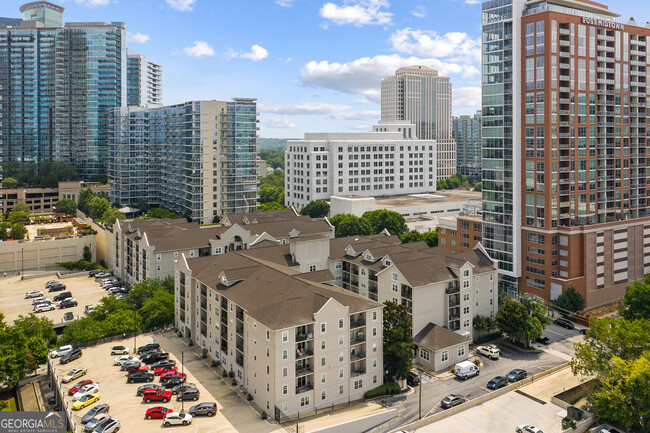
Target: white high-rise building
[(389, 160), (419, 95), (144, 80)]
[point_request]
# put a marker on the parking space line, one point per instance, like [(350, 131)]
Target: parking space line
[(564, 335), (432, 409)]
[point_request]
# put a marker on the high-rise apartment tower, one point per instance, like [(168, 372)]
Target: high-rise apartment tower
[(143, 80), (467, 133)]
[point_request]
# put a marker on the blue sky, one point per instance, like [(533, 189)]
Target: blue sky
[(314, 65)]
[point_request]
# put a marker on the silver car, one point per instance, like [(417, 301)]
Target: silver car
[(110, 427), (96, 421)]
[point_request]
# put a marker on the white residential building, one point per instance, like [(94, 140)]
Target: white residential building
[(389, 160)]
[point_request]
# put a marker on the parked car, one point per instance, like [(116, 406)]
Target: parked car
[(125, 358), (89, 309), (143, 388), (516, 375), (163, 363), (53, 283), (162, 370), (172, 382), (33, 294), (182, 387), (61, 296), (56, 288), (61, 351), (110, 427), (102, 274), (92, 388), (609, 430), (157, 412), (120, 350), (68, 316), (130, 365), (157, 395), (169, 376), (96, 421), (71, 356), (68, 303), (94, 273), (527, 429), (177, 418), (544, 340), (497, 382), (140, 376), (564, 323), (412, 379), (583, 331), (39, 308), (102, 408), (78, 386), (489, 350), (452, 400), (205, 408), (141, 368), (466, 369), (84, 401), (154, 357), (40, 300), (188, 394), (120, 295), (148, 347), (73, 374)]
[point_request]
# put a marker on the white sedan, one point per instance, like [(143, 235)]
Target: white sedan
[(177, 418), (33, 294), (125, 358), (523, 428), (92, 388), (73, 374)]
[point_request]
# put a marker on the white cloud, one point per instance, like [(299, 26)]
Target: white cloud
[(358, 12), (181, 5), (333, 111), (279, 122), (93, 3), (473, 2), (284, 3), (138, 37), (199, 49), (363, 76), (256, 54), (457, 46), (466, 97), (419, 12)]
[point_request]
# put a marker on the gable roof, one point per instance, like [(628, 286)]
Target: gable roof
[(434, 338)]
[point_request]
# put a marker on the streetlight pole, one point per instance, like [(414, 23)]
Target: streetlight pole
[(135, 328), (182, 372), (22, 262), (420, 398)]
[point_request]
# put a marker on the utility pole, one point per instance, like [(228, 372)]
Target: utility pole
[(420, 398), (22, 262), (182, 372), (135, 328)]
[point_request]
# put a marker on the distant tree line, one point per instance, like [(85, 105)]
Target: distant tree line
[(274, 158), (43, 175)]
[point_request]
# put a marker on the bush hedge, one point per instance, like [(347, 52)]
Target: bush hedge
[(82, 265), (384, 389)]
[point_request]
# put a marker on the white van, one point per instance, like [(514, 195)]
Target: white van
[(466, 369)]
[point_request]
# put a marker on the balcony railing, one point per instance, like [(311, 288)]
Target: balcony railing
[(304, 388), (304, 353), (357, 355), (358, 338), (357, 372), (304, 337), (307, 369), (357, 323)]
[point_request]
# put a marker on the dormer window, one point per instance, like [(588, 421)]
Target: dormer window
[(224, 280), (387, 262), (369, 257)]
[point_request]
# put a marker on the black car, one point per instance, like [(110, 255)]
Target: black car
[(68, 316), (61, 296), (412, 379), (163, 363), (143, 388), (189, 394), (56, 287), (182, 387), (93, 273), (583, 331), (129, 365), (71, 356), (516, 375), (497, 382), (148, 347), (140, 376), (68, 303), (154, 357), (564, 323), (173, 382), (544, 339), (209, 409), (452, 400), (102, 408)]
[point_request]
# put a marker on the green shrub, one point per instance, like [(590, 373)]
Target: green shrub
[(81, 265), (384, 389)]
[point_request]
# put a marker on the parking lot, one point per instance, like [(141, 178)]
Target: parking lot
[(85, 290), (233, 414)]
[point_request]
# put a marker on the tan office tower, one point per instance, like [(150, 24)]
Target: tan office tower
[(418, 94), (564, 147)]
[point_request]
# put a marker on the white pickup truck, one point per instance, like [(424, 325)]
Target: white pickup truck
[(490, 350)]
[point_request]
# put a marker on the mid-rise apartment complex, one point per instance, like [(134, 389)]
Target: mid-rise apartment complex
[(419, 95), (390, 160), (57, 86), (150, 248), (467, 133), (144, 80), (460, 233), (196, 159), (42, 200), (292, 341), (567, 207)]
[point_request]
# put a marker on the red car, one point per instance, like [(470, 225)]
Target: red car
[(157, 395), (157, 412), (166, 376), (162, 370), (137, 369), (78, 386)]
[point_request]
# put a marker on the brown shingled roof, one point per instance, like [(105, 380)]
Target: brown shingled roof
[(434, 338)]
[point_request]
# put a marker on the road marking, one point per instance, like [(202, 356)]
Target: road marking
[(564, 335), (432, 409)]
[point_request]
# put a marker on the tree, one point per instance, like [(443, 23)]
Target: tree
[(635, 304), (518, 322), (483, 323), (85, 196), (431, 238), (275, 179), (386, 219), (570, 300), (478, 186), (111, 215), (88, 255), (264, 207), (398, 341), (411, 236), (142, 291), (274, 158), (269, 194), (97, 206), (9, 182), (216, 219), (316, 209), (66, 206), (159, 212), (350, 225), (18, 231), (158, 309), (19, 213)]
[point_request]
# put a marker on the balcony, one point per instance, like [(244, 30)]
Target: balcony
[(357, 372), (452, 287), (303, 368), (304, 351), (454, 301), (304, 388), (357, 321), (357, 337), (356, 355)]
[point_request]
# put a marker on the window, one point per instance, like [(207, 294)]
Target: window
[(322, 362), (466, 297), (358, 384), (285, 336), (158, 257), (285, 389), (340, 389), (465, 284), (323, 378), (157, 267), (284, 354), (268, 370), (461, 351), (374, 316), (341, 357), (322, 345), (285, 407), (267, 352), (374, 347), (285, 372), (424, 354), (268, 335), (267, 387), (338, 265), (374, 332), (466, 273), (341, 324), (374, 378), (175, 253), (341, 340), (323, 395), (395, 276), (444, 356), (322, 328), (340, 373), (395, 288), (465, 310), (304, 401), (374, 363)]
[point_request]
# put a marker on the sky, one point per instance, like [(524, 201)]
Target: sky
[(313, 65)]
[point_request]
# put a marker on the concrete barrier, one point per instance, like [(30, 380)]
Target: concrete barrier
[(360, 425)]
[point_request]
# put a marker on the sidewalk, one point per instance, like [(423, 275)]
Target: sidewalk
[(545, 388)]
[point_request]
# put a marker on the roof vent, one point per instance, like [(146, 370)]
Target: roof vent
[(356, 239), (631, 21), (647, 24)]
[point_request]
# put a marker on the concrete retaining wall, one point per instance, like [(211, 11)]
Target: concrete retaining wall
[(360, 425), (105, 243), (38, 255)]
